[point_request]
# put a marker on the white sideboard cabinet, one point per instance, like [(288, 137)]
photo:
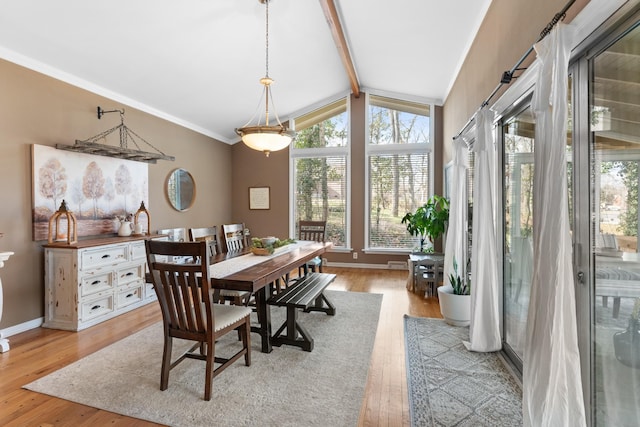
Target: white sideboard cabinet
[(94, 280)]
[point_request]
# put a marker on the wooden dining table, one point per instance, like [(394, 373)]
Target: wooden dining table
[(260, 278)]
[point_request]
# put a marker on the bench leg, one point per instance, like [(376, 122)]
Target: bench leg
[(305, 341), (319, 305)]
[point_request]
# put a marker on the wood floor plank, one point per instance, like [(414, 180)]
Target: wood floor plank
[(40, 351)]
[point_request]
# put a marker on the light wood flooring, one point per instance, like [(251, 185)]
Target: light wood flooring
[(40, 351)]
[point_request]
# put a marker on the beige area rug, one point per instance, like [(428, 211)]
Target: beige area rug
[(450, 386), (288, 387)]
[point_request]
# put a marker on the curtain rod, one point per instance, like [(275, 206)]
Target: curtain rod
[(507, 76)]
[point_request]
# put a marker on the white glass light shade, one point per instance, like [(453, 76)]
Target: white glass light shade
[(266, 138)]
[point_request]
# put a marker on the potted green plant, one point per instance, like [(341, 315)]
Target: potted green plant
[(455, 299), (428, 221)]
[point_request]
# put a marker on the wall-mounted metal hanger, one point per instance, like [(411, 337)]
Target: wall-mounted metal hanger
[(90, 146)]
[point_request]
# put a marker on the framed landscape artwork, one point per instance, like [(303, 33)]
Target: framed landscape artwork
[(97, 189)]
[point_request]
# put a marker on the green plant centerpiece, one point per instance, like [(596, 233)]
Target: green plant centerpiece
[(267, 245), (429, 221)]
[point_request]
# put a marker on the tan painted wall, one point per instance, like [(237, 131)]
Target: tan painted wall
[(251, 168), (35, 109), (507, 32)]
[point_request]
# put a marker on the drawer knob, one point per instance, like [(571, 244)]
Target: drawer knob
[(95, 282), (95, 307), (105, 256)]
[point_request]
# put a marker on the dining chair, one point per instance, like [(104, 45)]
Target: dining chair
[(174, 234), (189, 313), (238, 237), (210, 235), (428, 274), (234, 236), (315, 231), (178, 234), (206, 234)]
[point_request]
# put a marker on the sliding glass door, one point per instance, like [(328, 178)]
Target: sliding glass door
[(603, 154), (518, 139), (614, 123)]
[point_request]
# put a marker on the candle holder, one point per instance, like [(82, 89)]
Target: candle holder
[(56, 233), (137, 227)]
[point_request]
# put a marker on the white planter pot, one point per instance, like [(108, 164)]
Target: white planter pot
[(456, 309)]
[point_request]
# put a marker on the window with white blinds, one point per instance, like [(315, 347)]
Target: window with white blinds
[(398, 183), (321, 170), (398, 169)]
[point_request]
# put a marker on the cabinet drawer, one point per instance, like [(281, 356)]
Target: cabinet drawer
[(96, 307), (130, 274), (104, 256), (138, 251), (130, 296), (92, 283)]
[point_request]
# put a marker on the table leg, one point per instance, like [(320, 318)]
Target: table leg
[(264, 318), (410, 277)]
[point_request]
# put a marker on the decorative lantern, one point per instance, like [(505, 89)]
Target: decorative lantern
[(56, 233), (136, 223)]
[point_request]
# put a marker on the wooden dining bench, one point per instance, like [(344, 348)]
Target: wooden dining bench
[(307, 294)]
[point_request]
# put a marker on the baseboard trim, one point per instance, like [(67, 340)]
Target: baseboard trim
[(22, 327), (360, 265)]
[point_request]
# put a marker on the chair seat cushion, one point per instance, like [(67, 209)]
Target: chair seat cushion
[(315, 261), (225, 315)]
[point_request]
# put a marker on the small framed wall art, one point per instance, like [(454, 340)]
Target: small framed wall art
[(258, 197)]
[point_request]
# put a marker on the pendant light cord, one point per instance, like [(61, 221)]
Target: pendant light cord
[(267, 40), (267, 87)]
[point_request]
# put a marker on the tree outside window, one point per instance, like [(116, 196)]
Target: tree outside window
[(320, 170), (398, 168)]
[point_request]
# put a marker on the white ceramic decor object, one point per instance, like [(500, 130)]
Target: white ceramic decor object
[(125, 229), (456, 309)]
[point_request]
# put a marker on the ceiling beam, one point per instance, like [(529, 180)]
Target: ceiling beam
[(331, 15)]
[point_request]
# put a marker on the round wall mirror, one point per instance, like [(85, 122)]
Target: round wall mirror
[(181, 189)]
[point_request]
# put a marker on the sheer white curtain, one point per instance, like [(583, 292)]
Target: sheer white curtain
[(484, 330), (552, 387), (457, 228)]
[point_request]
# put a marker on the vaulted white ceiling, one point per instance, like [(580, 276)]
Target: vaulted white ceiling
[(198, 62)]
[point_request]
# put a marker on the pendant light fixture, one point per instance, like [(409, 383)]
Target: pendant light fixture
[(265, 137)]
